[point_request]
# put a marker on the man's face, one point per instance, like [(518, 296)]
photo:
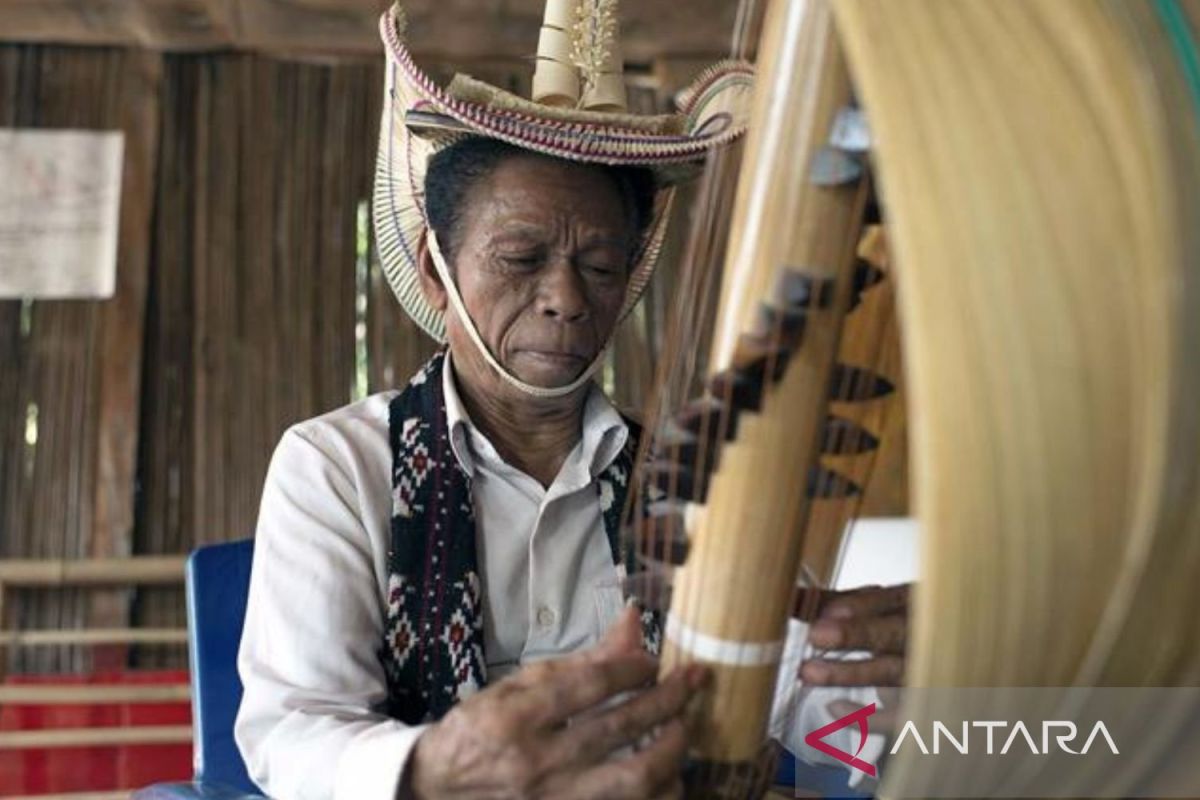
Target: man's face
[(542, 263)]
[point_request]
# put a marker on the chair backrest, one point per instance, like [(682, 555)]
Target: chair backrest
[(218, 582)]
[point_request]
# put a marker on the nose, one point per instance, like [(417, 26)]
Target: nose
[(562, 295)]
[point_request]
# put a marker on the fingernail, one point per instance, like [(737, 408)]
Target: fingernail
[(826, 633)]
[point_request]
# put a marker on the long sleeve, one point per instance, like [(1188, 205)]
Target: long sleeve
[(308, 726)]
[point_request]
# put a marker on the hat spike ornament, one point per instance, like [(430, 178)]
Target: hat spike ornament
[(579, 57)]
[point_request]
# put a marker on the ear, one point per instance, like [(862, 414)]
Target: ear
[(431, 282)]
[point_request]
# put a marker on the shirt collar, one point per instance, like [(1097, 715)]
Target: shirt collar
[(604, 431)]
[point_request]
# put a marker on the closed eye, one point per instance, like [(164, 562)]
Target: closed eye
[(604, 267), (523, 260)]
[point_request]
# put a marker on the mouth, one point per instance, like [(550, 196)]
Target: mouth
[(557, 357)]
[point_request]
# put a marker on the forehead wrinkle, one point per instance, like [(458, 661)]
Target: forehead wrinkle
[(542, 211), (558, 188), (523, 222), (587, 238)]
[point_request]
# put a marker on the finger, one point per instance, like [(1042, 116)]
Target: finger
[(650, 772), (866, 602), (593, 738), (881, 671), (882, 635), (625, 635), (553, 691), (809, 601)]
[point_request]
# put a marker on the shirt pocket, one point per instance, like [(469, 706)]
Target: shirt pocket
[(609, 600)]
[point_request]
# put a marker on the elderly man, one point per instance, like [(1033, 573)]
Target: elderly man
[(432, 610)]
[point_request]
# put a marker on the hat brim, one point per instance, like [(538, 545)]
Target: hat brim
[(420, 118)]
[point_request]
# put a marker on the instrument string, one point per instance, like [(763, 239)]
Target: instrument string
[(679, 365)]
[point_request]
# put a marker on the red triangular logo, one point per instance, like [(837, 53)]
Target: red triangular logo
[(814, 739)]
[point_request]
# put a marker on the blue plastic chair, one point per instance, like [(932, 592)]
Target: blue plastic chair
[(218, 582)]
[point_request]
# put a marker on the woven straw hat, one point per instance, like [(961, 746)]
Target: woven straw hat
[(419, 118)]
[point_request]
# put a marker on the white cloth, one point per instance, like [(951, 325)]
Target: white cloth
[(800, 710), (310, 724)]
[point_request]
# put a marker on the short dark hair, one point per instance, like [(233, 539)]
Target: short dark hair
[(457, 168)]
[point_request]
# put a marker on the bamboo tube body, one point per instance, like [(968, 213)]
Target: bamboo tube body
[(556, 78), (732, 597)]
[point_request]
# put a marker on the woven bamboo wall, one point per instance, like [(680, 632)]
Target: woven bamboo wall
[(77, 363), (251, 313)]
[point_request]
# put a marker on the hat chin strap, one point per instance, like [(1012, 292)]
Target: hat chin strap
[(456, 303)]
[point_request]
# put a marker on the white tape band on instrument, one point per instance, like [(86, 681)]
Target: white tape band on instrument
[(723, 651)]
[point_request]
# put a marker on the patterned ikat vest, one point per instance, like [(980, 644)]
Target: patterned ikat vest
[(432, 650)]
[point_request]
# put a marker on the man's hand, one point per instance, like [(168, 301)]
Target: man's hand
[(547, 731), (874, 619)]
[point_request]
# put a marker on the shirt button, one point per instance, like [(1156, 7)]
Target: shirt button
[(546, 617)]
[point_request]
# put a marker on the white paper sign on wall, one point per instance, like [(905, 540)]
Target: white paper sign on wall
[(60, 193)]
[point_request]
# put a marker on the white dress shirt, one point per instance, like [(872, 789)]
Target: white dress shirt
[(546, 566), (310, 723)]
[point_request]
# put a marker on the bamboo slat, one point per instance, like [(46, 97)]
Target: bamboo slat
[(43, 695), (95, 737), (44, 573), (99, 636)]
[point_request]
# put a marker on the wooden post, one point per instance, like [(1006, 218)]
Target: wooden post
[(122, 331)]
